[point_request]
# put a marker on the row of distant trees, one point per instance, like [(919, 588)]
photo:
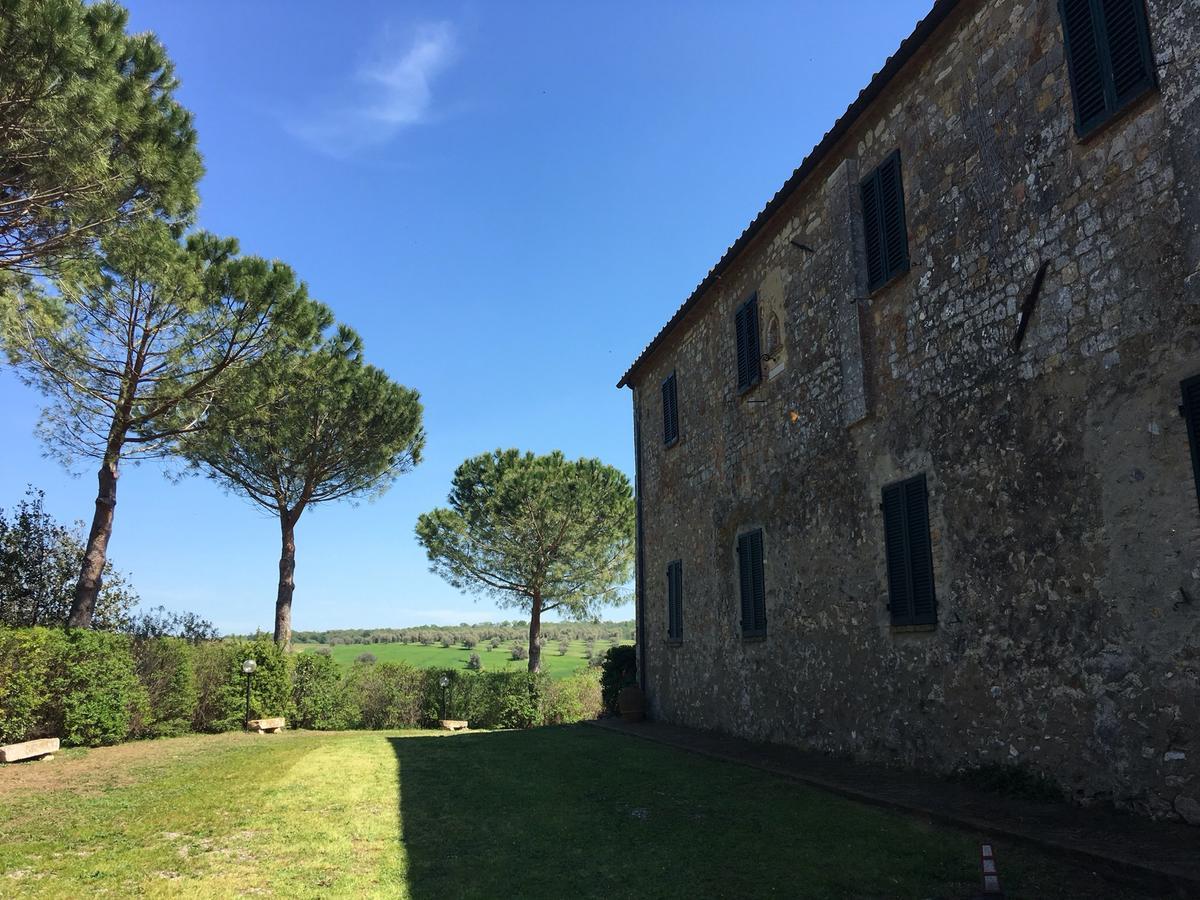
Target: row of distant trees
[(470, 636)]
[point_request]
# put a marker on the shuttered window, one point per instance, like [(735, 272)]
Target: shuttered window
[(752, 589), (745, 326), (884, 227), (911, 598), (1190, 410), (675, 600), (670, 402), (1108, 57)]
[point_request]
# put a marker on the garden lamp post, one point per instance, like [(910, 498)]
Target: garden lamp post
[(444, 681), (248, 669)]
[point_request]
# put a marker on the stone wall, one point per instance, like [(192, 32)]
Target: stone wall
[(1064, 515)]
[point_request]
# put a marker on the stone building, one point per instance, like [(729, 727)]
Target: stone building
[(917, 461)]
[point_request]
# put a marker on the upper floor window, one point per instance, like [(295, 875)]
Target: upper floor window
[(884, 227), (745, 323), (675, 600), (1190, 410), (670, 404), (752, 589), (909, 552), (1108, 57)]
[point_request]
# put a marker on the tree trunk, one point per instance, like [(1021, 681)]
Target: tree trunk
[(535, 631), (287, 581), (91, 572)]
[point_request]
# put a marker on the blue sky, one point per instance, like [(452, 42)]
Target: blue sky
[(506, 201)]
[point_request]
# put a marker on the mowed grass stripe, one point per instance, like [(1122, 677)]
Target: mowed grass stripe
[(211, 816)]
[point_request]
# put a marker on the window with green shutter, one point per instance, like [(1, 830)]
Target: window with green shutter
[(1109, 61), (752, 588), (675, 600), (670, 403), (745, 326), (911, 599), (1190, 410), (884, 227)]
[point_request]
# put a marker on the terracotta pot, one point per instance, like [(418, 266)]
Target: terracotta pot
[(632, 704)]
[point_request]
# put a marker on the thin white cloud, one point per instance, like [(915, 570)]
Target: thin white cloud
[(391, 91)]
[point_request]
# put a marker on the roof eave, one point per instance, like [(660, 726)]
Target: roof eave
[(879, 82)]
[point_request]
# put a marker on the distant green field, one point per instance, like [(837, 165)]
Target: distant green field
[(435, 656)]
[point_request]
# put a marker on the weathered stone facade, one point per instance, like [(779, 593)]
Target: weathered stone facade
[(1063, 509)]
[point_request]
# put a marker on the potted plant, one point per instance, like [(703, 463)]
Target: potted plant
[(632, 703)]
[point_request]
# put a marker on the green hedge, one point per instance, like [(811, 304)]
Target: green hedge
[(91, 688)]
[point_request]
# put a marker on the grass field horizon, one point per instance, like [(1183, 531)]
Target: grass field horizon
[(435, 656)]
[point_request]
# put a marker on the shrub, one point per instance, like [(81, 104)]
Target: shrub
[(386, 695), (494, 643), (505, 699), (27, 656), (93, 692), (519, 651), (563, 647), (164, 668), (619, 671), (318, 695), (365, 659), (571, 699), (470, 643), (475, 663), (219, 695), (447, 643), (323, 651)]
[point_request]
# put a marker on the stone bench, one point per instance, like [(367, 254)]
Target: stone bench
[(29, 750), (265, 726), (453, 724)]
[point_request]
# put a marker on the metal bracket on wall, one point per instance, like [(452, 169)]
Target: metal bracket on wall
[(1028, 305)]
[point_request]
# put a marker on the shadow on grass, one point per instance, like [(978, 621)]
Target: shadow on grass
[(576, 811), (573, 811)]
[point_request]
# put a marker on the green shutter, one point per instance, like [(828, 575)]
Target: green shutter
[(891, 202), (885, 230), (1109, 61), (1128, 41), (746, 579), (760, 594), (1084, 66), (745, 322), (1190, 410), (894, 527), (873, 232), (920, 551), (670, 402), (675, 600), (909, 551)]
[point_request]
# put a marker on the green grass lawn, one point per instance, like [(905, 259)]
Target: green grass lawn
[(553, 812), (437, 656)]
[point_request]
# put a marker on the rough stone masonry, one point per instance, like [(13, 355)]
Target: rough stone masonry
[(1062, 505)]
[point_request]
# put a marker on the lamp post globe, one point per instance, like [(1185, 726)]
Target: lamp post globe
[(444, 681)]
